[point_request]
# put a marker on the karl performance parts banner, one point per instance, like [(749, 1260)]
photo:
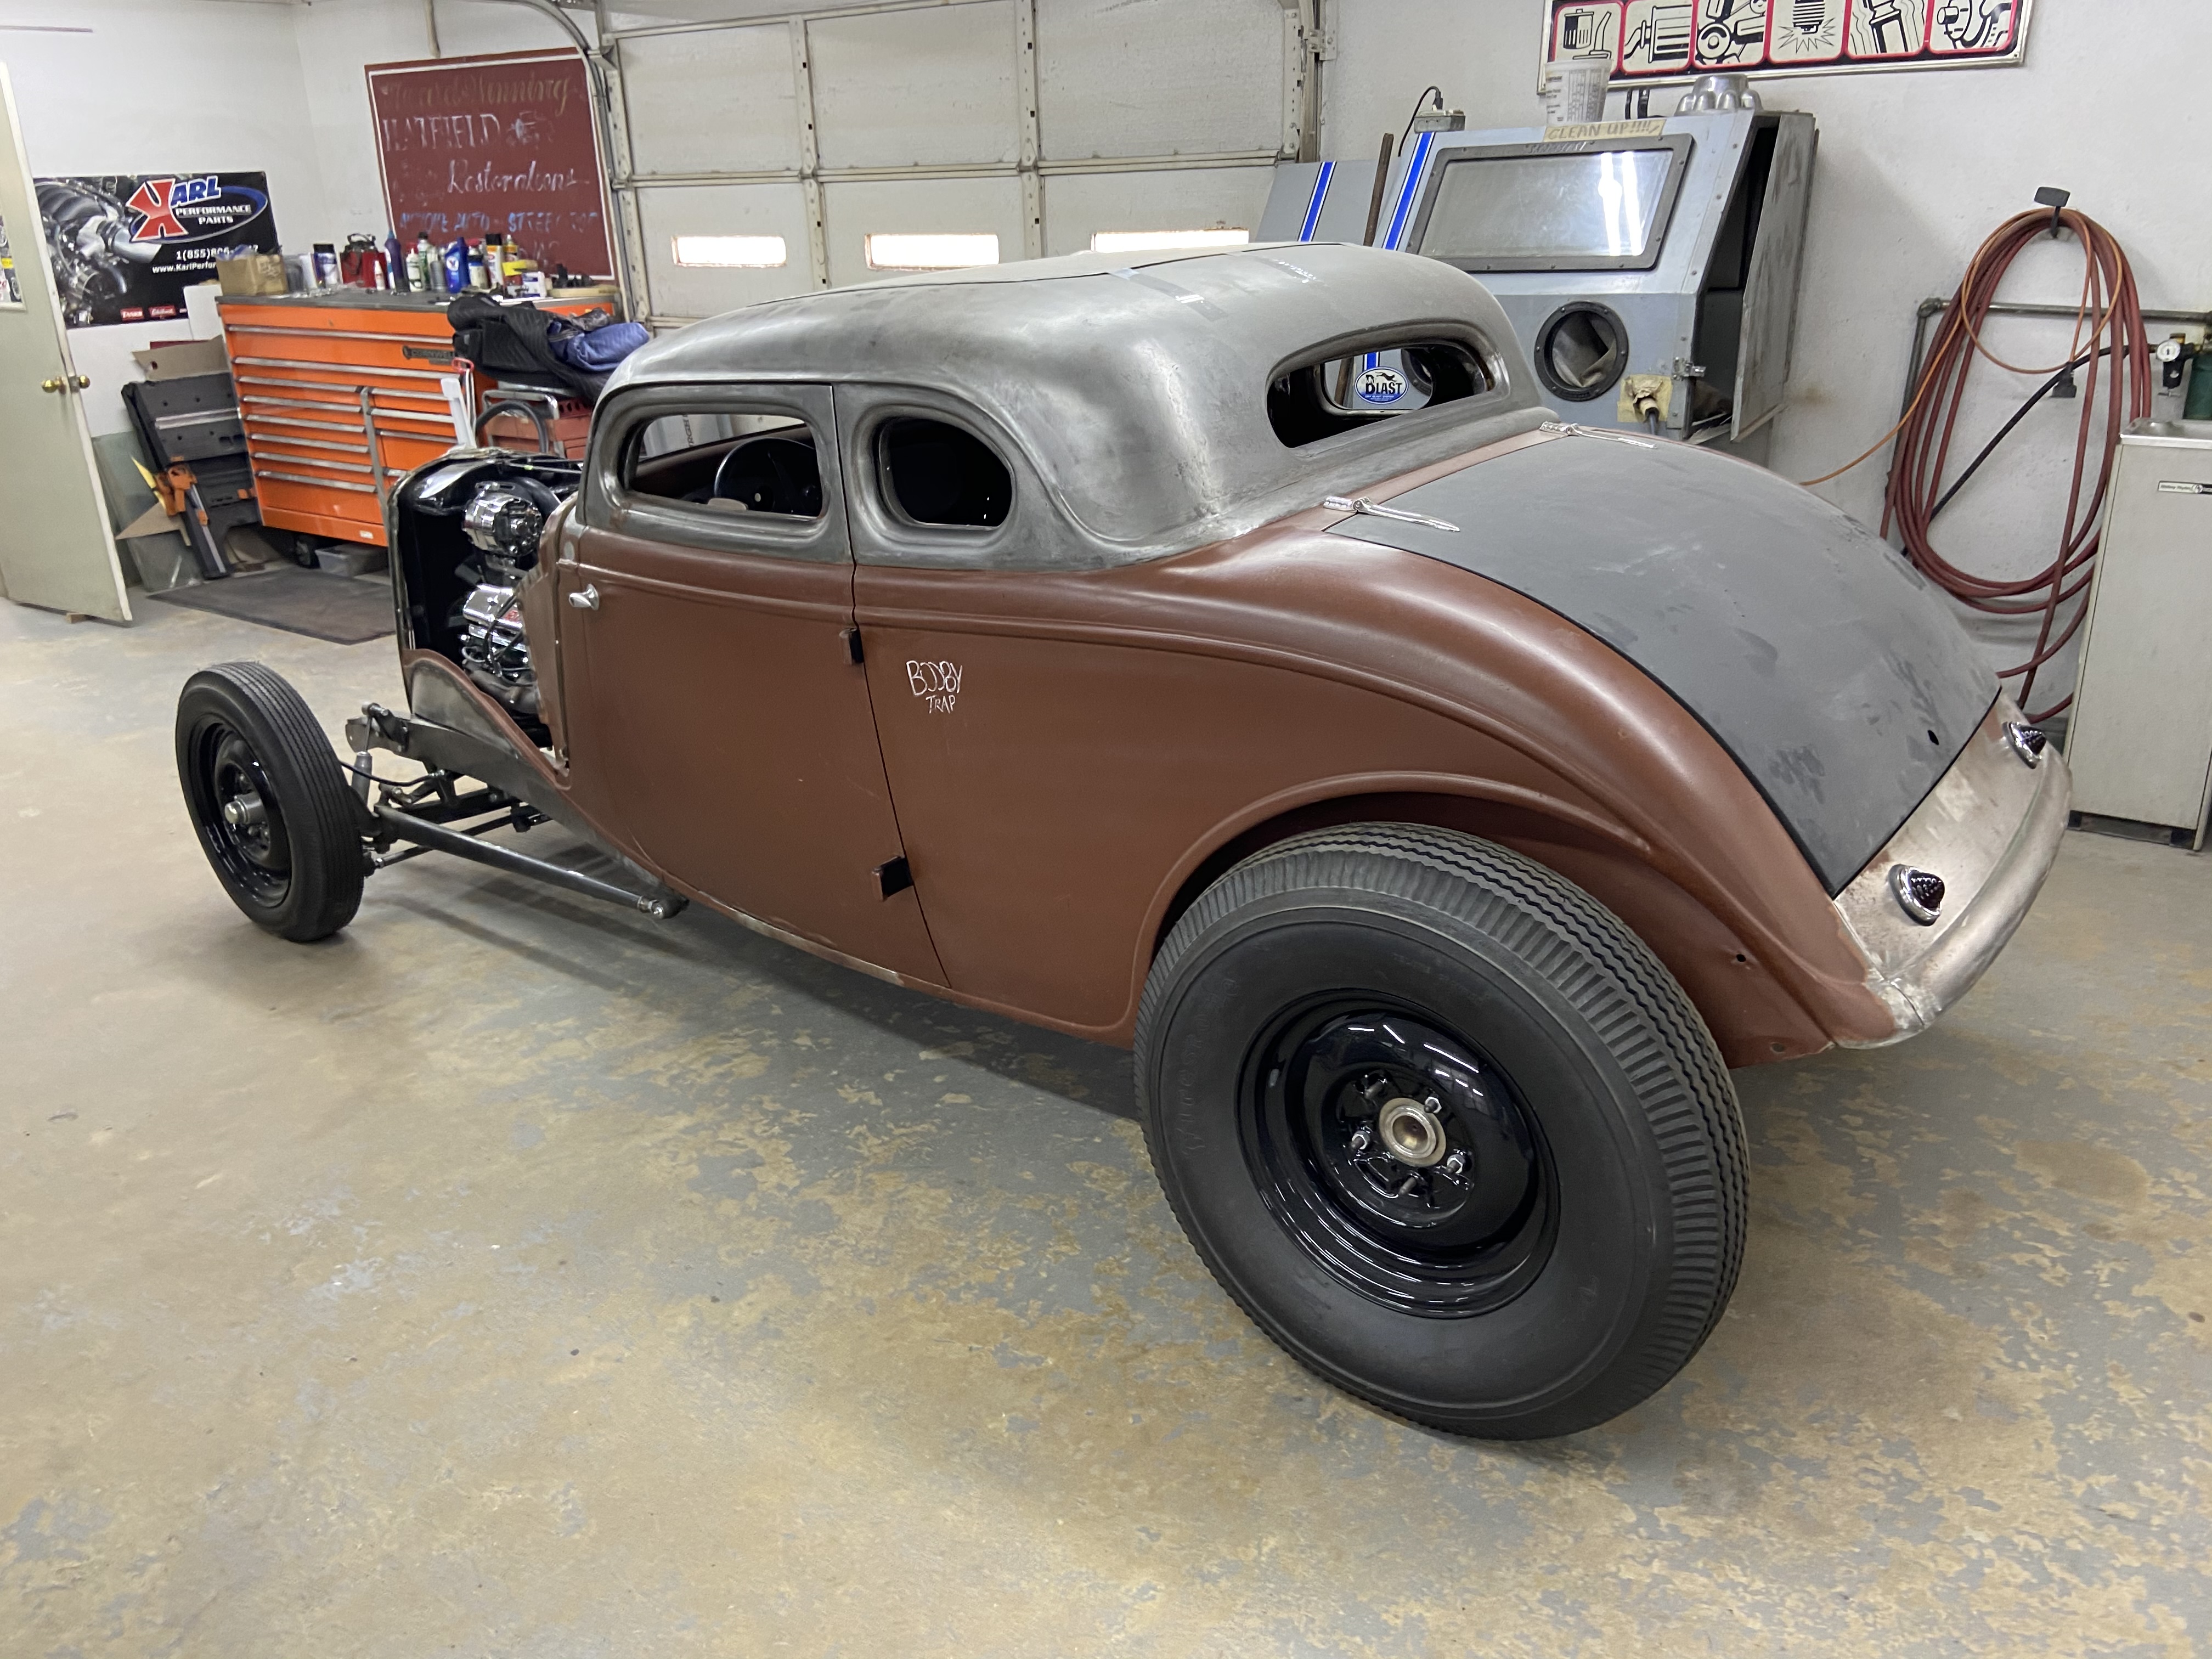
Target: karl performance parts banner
[(124, 248)]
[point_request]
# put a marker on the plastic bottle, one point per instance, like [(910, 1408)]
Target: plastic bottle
[(395, 266), (457, 265), (425, 269), (326, 265), (475, 255)]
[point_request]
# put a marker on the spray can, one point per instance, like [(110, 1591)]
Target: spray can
[(326, 265), (395, 266)]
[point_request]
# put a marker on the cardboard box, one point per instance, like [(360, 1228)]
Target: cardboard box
[(254, 273)]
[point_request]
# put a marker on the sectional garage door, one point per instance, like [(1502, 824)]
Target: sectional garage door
[(1036, 122)]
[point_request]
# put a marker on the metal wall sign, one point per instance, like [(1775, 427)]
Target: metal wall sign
[(126, 246), (1650, 42), (504, 143)]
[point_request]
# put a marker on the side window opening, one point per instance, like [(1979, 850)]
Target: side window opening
[(728, 463), (1348, 393), (937, 474)]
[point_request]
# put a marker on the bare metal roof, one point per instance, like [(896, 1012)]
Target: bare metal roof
[(1136, 388)]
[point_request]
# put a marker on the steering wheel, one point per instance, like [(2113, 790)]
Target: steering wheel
[(771, 474)]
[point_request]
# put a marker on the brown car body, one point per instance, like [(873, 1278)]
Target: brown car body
[(1064, 757)]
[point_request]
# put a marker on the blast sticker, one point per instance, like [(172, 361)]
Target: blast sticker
[(1381, 385)]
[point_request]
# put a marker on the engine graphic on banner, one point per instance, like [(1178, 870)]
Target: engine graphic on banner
[(126, 246), (1653, 40), (11, 289)]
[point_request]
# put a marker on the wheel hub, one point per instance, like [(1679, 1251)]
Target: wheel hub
[(241, 822), (1412, 1132), (1399, 1157)]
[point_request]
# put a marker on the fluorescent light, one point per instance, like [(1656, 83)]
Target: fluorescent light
[(1142, 241), (758, 253), (888, 251)]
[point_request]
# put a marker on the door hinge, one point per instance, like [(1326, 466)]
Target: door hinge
[(894, 877), (852, 638)]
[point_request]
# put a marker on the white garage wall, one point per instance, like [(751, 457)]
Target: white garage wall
[(131, 86), (134, 86), (1915, 169)]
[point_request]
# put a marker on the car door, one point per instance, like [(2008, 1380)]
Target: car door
[(1061, 733), (1050, 755), (718, 717)]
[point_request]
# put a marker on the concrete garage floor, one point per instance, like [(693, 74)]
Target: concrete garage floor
[(513, 1276)]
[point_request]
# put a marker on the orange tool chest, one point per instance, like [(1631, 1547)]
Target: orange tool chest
[(343, 394)]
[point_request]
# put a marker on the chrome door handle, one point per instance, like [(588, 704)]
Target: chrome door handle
[(585, 598)]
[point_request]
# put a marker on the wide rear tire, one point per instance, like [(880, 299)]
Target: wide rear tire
[(269, 801), (1445, 1128)]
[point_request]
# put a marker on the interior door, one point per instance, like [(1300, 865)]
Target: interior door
[(717, 711), (59, 549)]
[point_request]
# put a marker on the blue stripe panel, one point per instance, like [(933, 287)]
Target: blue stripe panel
[(1405, 190), (1312, 207)]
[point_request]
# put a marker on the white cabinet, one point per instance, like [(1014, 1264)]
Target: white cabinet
[(2139, 741)]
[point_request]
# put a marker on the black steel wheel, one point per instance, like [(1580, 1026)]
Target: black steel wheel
[(1444, 1128), (1398, 1156), (269, 801)]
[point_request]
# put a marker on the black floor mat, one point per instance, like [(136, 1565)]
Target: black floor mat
[(343, 609)]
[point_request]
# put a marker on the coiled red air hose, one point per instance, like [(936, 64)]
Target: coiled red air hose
[(2108, 325)]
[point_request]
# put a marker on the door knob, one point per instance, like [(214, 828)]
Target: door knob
[(585, 598), (64, 382), (54, 385), (80, 381)]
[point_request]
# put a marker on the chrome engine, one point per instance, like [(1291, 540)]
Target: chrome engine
[(502, 520)]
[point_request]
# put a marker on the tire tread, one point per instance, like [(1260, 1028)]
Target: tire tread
[(326, 860), (1634, 1005)]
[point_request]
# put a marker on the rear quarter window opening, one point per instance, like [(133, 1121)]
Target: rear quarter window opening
[(728, 463), (936, 473), (1351, 392)]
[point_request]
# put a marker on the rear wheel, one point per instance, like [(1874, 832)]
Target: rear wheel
[(268, 801), (1444, 1128)]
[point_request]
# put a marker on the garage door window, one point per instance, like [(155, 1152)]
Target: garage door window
[(935, 473), (732, 253), (899, 251)]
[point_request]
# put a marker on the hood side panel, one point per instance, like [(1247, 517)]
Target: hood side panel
[(1820, 660)]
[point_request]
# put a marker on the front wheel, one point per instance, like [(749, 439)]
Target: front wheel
[(1445, 1128), (268, 801)]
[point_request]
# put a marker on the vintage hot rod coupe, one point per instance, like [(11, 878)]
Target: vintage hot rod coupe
[(1227, 655)]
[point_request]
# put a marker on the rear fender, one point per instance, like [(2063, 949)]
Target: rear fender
[(1752, 1015)]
